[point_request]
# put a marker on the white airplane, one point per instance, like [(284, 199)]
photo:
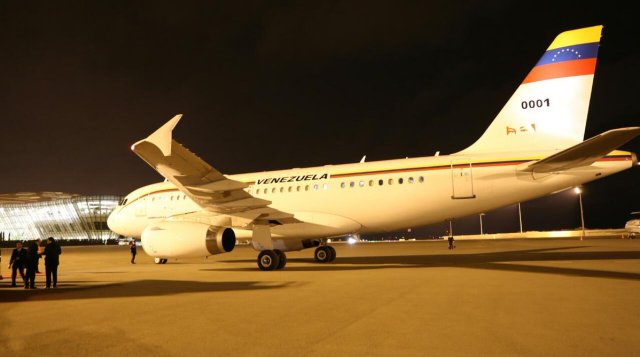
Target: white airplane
[(534, 147)]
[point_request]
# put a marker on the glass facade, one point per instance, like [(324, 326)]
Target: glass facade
[(76, 217)]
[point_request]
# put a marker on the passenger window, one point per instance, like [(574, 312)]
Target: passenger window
[(380, 182), (342, 185), (361, 183), (410, 179), (400, 180), (421, 179), (370, 182), (290, 188), (306, 188), (281, 189), (325, 186), (315, 187), (352, 184), (273, 190), (390, 181)]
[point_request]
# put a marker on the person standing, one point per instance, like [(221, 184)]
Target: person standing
[(134, 250), (33, 258), (451, 242), (16, 263), (51, 261)]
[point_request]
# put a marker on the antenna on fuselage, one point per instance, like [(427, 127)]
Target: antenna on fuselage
[(363, 158)]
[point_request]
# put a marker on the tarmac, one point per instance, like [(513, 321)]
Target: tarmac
[(537, 297)]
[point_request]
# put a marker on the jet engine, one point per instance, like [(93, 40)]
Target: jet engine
[(174, 239)]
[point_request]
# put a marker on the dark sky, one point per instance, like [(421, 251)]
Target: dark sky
[(278, 84)]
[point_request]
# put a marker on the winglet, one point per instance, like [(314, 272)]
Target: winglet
[(162, 137)]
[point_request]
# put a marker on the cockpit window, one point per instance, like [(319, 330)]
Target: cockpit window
[(124, 201)]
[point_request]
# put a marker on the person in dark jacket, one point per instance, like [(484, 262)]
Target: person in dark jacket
[(33, 257), (17, 262), (51, 261), (134, 251)]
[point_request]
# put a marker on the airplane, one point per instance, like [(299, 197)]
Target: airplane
[(534, 147)]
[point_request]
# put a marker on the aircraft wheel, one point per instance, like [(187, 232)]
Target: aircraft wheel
[(164, 261), (268, 260), (332, 252), (157, 260), (322, 254), (282, 257)]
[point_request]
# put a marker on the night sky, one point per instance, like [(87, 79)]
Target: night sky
[(272, 85)]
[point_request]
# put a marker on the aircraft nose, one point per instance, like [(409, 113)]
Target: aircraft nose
[(112, 221)]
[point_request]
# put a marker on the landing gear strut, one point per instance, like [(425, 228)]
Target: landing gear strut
[(271, 259), (324, 254)]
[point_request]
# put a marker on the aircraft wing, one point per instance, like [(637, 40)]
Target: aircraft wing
[(585, 153), (205, 185)]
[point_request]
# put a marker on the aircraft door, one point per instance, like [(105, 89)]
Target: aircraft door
[(461, 180)]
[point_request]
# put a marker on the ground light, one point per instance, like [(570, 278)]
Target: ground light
[(578, 190)]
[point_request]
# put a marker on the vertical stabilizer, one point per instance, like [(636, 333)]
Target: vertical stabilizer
[(549, 109)]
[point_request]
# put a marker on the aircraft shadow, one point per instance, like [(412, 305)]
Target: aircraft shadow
[(140, 288), (501, 261)]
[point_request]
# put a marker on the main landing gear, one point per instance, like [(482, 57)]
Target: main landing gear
[(276, 259), (272, 259), (324, 254), (160, 260)]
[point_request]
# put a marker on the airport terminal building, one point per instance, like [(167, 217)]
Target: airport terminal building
[(30, 215)]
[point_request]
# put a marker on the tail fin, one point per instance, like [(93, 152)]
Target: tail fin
[(549, 109)]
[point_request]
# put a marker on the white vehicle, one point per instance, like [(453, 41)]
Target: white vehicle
[(533, 147), (633, 226)]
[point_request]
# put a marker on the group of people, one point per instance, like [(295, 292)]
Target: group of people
[(29, 258)]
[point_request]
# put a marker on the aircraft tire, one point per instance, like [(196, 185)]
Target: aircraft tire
[(164, 261), (268, 260), (322, 254), (332, 253), (157, 260), (282, 257)]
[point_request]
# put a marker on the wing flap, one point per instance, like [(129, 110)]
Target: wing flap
[(585, 153)]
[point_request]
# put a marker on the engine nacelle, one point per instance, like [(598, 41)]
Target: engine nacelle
[(186, 239)]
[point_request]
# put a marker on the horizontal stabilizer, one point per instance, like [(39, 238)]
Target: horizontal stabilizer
[(585, 153)]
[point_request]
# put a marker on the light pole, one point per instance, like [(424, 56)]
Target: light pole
[(520, 216), (578, 190), (481, 232)]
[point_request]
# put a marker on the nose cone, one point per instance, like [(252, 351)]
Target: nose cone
[(112, 221)]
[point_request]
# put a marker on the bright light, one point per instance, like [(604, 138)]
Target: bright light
[(577, 190), (351, 240)]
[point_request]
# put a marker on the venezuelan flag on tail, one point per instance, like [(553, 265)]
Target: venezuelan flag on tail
[(549, 109), (573, 53)]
